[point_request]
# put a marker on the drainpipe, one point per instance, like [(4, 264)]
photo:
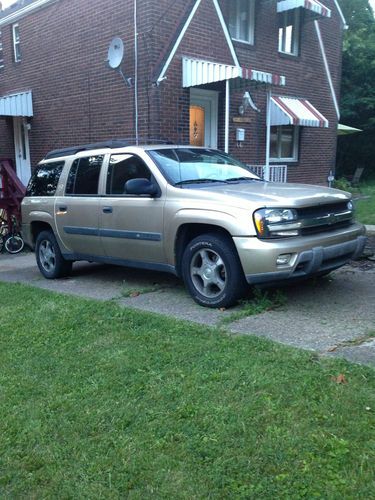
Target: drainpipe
[(136, 72), (227, 110), (268, 135)]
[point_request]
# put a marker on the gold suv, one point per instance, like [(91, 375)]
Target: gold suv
[(193, 212)]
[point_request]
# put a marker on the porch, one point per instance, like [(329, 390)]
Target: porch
[(277, 173)]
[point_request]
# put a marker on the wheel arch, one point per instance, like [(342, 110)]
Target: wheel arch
[(188, 231)]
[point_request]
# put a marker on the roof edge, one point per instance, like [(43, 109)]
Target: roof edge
[(21, 12)]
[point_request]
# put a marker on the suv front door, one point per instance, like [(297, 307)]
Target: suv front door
[(131, 226), (77, 213)]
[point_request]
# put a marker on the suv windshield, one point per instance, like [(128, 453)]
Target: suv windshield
[(185, 165)]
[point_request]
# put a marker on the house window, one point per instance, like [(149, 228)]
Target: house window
[(16, 43), (1, 54), (289, 23), (284, 143), (241, 20)]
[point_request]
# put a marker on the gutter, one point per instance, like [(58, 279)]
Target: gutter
[(13, 17)]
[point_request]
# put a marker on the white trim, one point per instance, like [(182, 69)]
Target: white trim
[(178, 41), (341, 14), (227, 112), (24, 11), (209, 100), (267, 175), (326, 67), (226, 32), (16, 43)]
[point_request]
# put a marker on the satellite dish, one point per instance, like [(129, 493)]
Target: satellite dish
[(115, 53)]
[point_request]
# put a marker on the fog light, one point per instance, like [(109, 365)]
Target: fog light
[(284, 259)]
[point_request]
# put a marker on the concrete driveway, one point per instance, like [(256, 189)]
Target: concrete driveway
[(334, 316)]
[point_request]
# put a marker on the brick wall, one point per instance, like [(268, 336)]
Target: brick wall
[(78, 99)]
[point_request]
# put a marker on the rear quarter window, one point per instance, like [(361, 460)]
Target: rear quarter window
[(45, 178)]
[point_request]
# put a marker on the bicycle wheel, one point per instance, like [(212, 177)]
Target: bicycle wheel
[(1, 243), (14, 243)]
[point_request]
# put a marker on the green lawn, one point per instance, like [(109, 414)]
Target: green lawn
[(101, 402), (366, 208)]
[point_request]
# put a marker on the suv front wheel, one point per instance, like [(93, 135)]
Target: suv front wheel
[(48, 257), (212, 271)]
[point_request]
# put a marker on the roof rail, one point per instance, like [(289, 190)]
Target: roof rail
[(114, 143)]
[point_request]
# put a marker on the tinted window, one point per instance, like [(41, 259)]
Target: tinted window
[(121, 169), (84, 174), (44, 180)]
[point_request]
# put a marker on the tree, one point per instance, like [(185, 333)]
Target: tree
[(358, 89)]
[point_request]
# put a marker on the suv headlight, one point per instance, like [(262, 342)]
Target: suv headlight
[(276, 222)]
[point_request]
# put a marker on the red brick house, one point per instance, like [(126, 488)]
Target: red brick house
[(257, 78)]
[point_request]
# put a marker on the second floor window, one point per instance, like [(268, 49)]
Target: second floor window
[(16, 43), (289, 22), (241, 20), (1, 54)]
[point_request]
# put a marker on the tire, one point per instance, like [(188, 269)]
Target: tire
[(14, 244), (48, 257), (212, 271)]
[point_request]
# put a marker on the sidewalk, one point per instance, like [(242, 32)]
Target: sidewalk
[(332, 316)]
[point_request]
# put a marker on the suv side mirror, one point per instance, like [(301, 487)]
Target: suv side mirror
[(141, 186)]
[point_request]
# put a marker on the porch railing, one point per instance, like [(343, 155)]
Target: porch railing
[(278, 173), (12, 190)]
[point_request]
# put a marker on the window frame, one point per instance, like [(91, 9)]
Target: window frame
[(251, 22), (108, 171), (76, 164), (2, 65), (296, 29), (16, 40), (296, 134)]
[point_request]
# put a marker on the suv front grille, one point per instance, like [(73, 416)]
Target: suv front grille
[(324, 218)]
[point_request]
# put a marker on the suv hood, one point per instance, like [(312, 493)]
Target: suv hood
[(274, 194)]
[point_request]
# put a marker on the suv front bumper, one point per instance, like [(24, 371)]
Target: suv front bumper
[(308, 255)]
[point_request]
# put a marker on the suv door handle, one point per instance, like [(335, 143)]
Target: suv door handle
[(107, 210), (63, 208)]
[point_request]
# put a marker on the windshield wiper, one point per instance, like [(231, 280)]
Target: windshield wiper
[(199, 181), (233, 179)]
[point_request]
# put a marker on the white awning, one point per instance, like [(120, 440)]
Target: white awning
[(20, 104), (293, 111), (314, 6), (198, 72)]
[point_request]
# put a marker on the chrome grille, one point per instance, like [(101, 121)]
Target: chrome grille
[(324, 218)]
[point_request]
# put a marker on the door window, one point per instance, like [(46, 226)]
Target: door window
[(122, 168), (197, 125), (84, 175)]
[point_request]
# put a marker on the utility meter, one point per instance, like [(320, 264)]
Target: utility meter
[(240, 134)]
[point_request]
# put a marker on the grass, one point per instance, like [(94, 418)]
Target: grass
[(102, 402), (365, 209)]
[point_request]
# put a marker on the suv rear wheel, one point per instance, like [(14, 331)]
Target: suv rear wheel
[(48, 257), (212, 271)]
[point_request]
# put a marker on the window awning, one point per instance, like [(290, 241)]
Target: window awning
[(294, 111), (198, 72), (20, 104), (312, 5)]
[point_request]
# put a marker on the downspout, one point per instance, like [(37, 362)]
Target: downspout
[(268, 135), (227, 111), (136, 73), (326, 67)]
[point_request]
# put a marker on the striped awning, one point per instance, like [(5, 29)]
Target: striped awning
[(312, 5), (198, 72), (20, 104), (293, 111)]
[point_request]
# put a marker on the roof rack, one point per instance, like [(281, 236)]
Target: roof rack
[(114, 143)]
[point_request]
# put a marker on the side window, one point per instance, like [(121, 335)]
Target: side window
[(122, 168), (16, 43), (1, 53), (45, 178), (289, 31), (83, 177), (241, 20)]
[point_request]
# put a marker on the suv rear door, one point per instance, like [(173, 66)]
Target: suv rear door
[(77, 213), (131, 225)]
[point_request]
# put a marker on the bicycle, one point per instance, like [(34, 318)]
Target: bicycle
[(11, 239)]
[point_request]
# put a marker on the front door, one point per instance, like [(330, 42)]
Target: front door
[(131, 227), (22, 149), (203, 118)]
